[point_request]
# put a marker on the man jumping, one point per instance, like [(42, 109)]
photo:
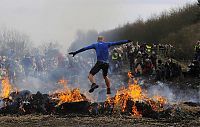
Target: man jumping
[(101, 47)]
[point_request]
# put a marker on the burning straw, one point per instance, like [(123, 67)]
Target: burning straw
[(67, 95), (6, 88), (134, 93)]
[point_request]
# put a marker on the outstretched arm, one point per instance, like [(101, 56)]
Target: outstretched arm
[(119, 42), (82, 49)]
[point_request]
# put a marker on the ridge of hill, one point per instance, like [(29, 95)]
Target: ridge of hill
[(178, 27)]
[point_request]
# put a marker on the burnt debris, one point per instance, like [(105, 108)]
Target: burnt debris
[(24, 102)]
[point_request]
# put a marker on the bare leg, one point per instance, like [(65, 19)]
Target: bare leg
[(91, 78), (107, 81)]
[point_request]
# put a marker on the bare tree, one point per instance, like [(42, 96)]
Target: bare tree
[(14, 40)]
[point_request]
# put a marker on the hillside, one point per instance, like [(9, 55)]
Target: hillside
[(179, 27)]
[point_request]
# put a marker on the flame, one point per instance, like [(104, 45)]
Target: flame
[(135, 93), (160, 99), (67, 95), (130, 74), (6, 88), (70, 96), (63, 82), (117, 98), (159, 102), (135, 113)]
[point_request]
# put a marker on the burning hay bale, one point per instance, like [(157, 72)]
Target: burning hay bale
[(132, 101), (81, 107), (67, 95), (41, 103), (24, 102), (15, 102), (69, 100)]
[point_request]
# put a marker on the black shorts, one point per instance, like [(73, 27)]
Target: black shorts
[(98, 66)]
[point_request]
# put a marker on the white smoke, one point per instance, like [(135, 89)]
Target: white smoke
[(34, 84), (173, 94)]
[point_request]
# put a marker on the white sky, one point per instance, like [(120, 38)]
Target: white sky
[(46, 20)]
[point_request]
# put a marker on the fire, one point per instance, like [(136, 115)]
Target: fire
[(160, 99), (68, 95), (6, 88), (130, 75), (135, 94), (63, 83), (135, 112), (132, 92), (159, 102)]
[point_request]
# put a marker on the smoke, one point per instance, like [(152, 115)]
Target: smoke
[(161, 89), (34, 84), (173, 94)]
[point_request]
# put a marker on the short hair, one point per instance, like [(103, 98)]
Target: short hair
[(100, 38)]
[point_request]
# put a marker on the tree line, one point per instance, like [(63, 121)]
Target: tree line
[(179, 27)]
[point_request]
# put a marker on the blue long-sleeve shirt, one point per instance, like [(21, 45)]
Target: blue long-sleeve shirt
[(101, 49)]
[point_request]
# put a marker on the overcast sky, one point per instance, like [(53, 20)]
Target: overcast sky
[(46, 20)]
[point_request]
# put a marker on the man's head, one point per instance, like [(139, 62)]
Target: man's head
[(100, 39)]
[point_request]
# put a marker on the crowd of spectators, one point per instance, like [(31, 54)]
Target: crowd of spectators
[(194, 67), (197, 51), (45, 67), (142, 59), (146, 59)]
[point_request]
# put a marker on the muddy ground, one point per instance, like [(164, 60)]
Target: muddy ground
[(85, 121)]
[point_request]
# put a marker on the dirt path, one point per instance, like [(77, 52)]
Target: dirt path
[(85, 121)]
